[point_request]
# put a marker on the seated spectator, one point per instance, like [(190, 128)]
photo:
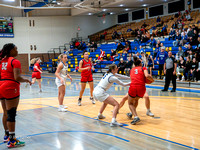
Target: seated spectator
[(127, 46), (180, 25), (162, 46), (120, 47), (140, 49), (121, 66), (188, 17), (184, 38), (187, 68), (150, 63), (190, 33), (180, 68), (66, 51), (143, 59), (138, 55), (177, 38), (101, 56), (171, 34), (138, 37), (129, 30), (113, 54), (144, 25), (124, 55), (193, 70), (189, 48), (152, 42), (198, 72), (179, 53), (191, 55), (122, 39), (128, 43), (155, 51), (71, 47), (77, 44), (115, 35), (135, 50), (93, 47), (129, 66), (175, 25), (194, 39), (159, 43), (195, 28), (158, 19), (83, 46)]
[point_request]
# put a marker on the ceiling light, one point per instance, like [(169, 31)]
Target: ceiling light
[(144, 5), (111, 13), (9, 0), (104, 10), (126, 9), (121, 5), (89, 13)]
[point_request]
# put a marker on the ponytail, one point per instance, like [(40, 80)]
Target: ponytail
[(137, 62), (60, 57), (111, 67)]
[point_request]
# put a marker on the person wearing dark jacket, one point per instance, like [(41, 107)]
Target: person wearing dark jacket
[(129, 66), (193, 70), (121, 66), (119, 47), (187, 67)]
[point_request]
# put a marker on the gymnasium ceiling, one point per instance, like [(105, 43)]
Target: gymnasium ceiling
[(84, 7)]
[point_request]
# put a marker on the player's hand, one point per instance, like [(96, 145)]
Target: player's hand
[(70, 79), (157, 62), (174, 72), (62, 81), (164, 71), (28, 81), (93, 69), (153, 67)]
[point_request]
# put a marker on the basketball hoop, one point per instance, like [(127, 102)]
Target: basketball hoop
[(104, 18)]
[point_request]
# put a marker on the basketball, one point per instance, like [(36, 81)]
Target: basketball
[(149, 80)]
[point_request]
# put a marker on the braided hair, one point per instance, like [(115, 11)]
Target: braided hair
[(5, 52), (137, 61)]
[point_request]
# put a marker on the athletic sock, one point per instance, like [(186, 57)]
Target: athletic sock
[(113, 119), (60, 106), (11, 136), (80, 99), (136, 117), (100, 114), (6, 132)]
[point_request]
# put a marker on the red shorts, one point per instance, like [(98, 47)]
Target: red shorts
[(136, 91), (9, 90), (36, 75), (87, 78)]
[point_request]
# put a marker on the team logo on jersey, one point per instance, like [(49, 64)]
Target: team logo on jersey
[(4, 66)]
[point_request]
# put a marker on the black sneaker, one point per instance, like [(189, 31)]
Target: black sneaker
[(173, 90), (79, 102), (164, 90), (129, 115), (135, 120)]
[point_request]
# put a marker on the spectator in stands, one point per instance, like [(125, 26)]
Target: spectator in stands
[(124, 55), (190, 33), (113, 54), (120, 47), (191, 55), (161, 56), (127, 46), (129, 29), (193, 70), (184, 38), (141, 49), (122, 39), (138, 37), (121, 66), (83, 46), (171, 34), (189, 48), (170, 72), (152, 42), (198, 72), (138, 55), (144, 38), (156, 50), (143, 59), (129, 66), (162, 46), (195, 28), (180, 25), (158, 19), (159, 43), (66, 51), (144, 25), (194, 40), (179, 53), (128, 43), (115, 35), (188, 17), (178, 39), (93, 47), (77, 44), (187, 68), (71, 47), (180, 68), (150, 63), (135, 50), (175, 25), (102, 54)]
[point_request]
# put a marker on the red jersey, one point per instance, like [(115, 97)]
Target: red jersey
[(6, 67), (137, 76), (38, 66), (85, 65)]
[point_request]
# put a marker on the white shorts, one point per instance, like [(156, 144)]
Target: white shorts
[(58, 82), (100, 94)]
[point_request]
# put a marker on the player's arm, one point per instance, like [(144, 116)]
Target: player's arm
[(152, 61), (69, 77), (17, 76), (122, 76), (59, 68), (164, 68), (148, 76), (114, 79), (36, 67), (80, 66)]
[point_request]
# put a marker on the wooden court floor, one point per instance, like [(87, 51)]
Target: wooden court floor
[(176, 124)]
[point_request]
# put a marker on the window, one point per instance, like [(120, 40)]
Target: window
[(196, 3), (123, 18), (138, 14), (156, 11), (176, 6)]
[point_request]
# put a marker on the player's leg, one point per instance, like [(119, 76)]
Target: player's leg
[(133, 102), (91, 85), (4, 120), (83, 85), (61, 95), (147, 104)]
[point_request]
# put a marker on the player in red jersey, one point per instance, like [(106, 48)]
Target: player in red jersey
[(36, 75), (85, 66), (137, 88), (10, 73)]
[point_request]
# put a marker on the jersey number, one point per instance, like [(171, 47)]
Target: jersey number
[(136, 71), (4, 66)]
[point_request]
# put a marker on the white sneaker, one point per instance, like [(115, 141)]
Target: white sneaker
[(101, 117), (164, 78), (178, 73), (79, 103), (65, 107), (149, 113), (92, 99), (61, 109), (115, 124)]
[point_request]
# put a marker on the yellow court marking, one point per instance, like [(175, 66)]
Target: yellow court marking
[(178, 122)]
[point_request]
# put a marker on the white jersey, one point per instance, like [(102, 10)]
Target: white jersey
[(108, 80), (63, 73)]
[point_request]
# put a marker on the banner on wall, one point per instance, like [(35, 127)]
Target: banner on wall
[(5, 35), (6, 27)]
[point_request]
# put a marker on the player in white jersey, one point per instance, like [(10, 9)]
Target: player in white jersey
[(100, 92), (61, 76)]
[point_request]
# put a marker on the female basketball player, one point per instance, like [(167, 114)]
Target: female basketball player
[(85, 67), (137, 88), (61, 76), (10, 72), (36, 75), (100, 92)]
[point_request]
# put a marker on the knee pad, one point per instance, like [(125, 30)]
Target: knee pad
[(11, 114)]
